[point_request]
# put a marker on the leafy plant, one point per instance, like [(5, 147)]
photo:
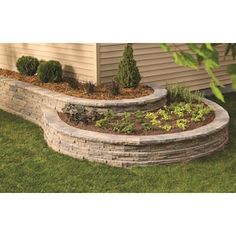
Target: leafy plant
[(89, 87), (128, 73), (163, 114), (199, 112), (146, 126), (104, 121), (125, 125), (181, 109), (27, 65), (182, 124), (115, 88), (139, 115), (166, 127), (153, 118), (50, 71)]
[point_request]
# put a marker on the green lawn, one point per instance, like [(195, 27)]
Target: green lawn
[(28, 165)]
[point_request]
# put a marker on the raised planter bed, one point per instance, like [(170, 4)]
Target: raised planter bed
[(129, 150), (41, 106), (29, 97)]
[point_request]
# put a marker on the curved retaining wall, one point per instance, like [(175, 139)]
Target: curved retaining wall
[(128, 150), (41, 106)]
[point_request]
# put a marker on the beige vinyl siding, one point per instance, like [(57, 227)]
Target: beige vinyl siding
[(158, 66), (77, 59)]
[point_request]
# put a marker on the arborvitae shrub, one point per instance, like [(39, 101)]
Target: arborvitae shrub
[(50, 71), (128, 73), (27, 65)]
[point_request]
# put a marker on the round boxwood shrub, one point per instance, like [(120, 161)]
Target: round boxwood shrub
[(128, 74), (50, 71), (27, 65)]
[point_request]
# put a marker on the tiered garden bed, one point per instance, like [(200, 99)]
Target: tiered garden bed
[(41, 106)]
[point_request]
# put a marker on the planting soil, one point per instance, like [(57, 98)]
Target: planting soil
[(101, 91)]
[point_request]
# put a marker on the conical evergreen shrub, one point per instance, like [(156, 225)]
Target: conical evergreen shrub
[(128, 75)]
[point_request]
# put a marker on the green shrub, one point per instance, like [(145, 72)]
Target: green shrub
[(50, 71), (89, 87), (128, 74), (27, 65)]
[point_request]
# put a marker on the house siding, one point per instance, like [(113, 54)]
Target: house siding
[(158, 66), (77, 59), (98, 62)]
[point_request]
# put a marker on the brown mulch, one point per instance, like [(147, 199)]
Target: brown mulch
[(101, 91), (138, 129)]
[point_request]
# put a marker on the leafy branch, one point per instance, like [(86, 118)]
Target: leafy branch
[(206, 55)]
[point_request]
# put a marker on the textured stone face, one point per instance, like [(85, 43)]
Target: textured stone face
[(40, 106)]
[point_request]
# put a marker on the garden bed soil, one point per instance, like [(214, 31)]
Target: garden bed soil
[(102, 92), (138, 129)]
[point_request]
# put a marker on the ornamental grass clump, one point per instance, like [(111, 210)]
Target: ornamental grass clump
[(27, 65), (128, 75), (178, 93)]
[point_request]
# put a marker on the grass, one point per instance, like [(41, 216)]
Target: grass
[(28, 165)]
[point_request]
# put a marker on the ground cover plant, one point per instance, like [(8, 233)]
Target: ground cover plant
[(28, 165)]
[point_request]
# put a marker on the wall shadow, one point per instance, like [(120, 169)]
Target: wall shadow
[(70, 76)]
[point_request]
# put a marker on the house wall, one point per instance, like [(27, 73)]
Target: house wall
[(78, 60), (157, 66), (98, 62)]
